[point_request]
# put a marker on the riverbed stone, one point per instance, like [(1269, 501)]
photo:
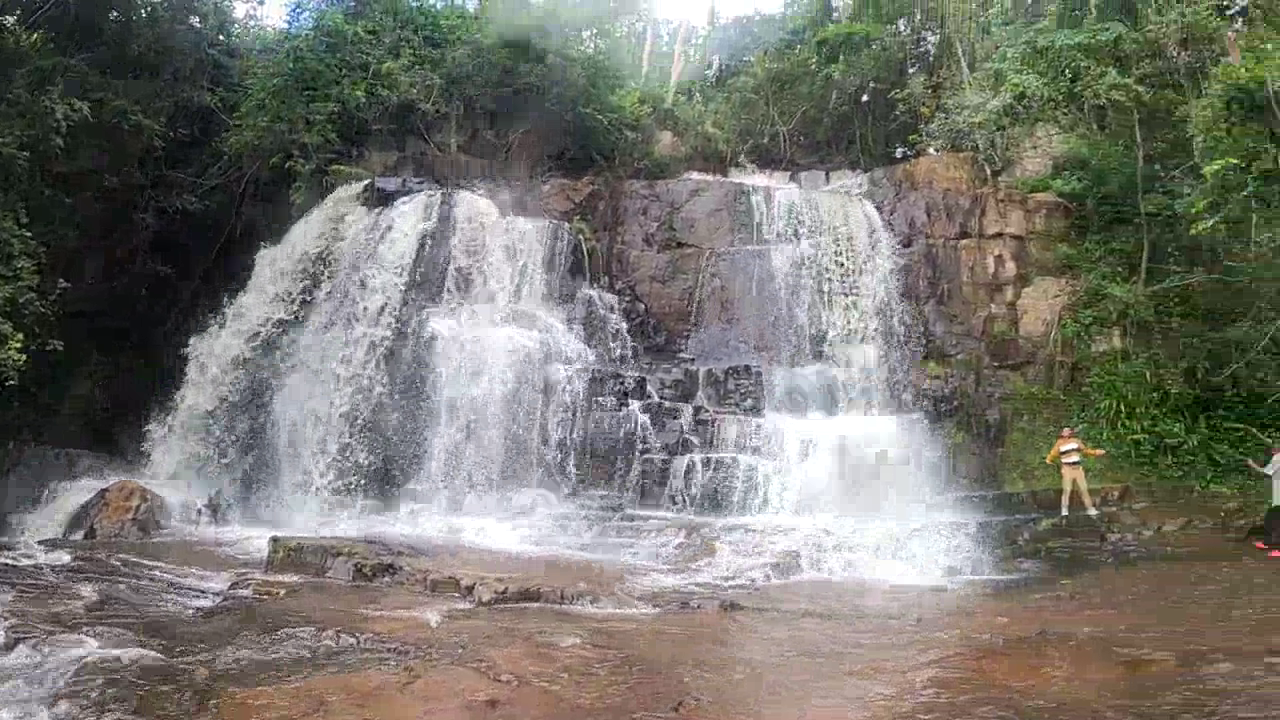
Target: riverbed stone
[(124, 510), (480, 576)]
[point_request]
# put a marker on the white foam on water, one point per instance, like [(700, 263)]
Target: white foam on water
[(48, 519), (33, 673), (369, 346), (28, 552)]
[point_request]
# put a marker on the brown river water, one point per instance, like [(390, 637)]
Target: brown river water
[(170, 629)]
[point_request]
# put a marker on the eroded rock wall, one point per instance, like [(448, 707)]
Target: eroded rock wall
[(980, 274)]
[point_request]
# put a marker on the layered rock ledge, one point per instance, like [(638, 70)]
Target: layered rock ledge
[(481, 577)]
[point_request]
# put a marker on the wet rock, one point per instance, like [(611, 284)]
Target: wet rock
[(1174, 525), (111, 637), (1125, 518), (445, 586), (215, 510), (482, 577), (738, 388), (562, 198), (688, 704), (731, 606), (259, 588), (31, 469), (617, 387), (787, 566), (1045, 500), (504, 593), (17, 632), (124, 510), (317, 557), (383, 191)]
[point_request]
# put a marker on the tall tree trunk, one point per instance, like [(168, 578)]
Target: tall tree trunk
[(647, 55), (1142, 206), (706, 38), (677, 62)]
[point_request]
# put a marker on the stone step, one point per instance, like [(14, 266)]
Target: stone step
[(613, 389), (733, 388)]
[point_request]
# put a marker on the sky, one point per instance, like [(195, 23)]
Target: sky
[(694, 11)]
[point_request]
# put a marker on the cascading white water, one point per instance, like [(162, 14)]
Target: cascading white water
[(415, 349), (838, 440), (844, 470), (822, 311), (206, 441), (503, 361), (331, 381), (432, 354)]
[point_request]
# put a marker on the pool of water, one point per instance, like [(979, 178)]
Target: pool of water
[(188, 627)]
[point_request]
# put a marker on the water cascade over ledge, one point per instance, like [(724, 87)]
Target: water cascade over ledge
[(438, 366)]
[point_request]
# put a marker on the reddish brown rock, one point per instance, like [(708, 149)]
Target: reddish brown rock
[(124, 510)]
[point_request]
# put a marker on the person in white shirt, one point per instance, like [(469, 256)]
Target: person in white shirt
[(1270, 530)]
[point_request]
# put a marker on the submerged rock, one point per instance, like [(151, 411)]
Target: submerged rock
[(124, 510)]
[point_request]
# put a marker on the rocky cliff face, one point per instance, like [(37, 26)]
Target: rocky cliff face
[(979, 277), (687, 258)]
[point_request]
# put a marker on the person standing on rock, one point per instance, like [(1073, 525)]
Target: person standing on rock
[(1069, 451)]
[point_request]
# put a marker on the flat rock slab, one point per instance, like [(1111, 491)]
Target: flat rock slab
[(483, 577), (1040, 499)]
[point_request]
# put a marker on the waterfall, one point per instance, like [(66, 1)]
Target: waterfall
[(420, 350), (814, 298), (434, 367)]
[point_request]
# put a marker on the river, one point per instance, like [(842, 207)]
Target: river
[(1186, 627)]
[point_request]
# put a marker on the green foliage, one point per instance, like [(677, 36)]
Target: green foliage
[(824, 100), (1235, 123), (34, 121), (110, 184), (397, 68), (1169, 154)]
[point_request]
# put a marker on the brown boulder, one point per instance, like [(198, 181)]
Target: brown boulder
[(124, 510), (948, 172), (562, 198), (1041, 304)]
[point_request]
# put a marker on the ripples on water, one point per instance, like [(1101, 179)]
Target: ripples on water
[(43, 589)]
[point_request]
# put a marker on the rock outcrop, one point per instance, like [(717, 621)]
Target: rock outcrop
[(688, 259), (981, 273), (479, 576), (124, 510)]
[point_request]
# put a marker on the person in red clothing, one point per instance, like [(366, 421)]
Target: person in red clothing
[(1069, 451)]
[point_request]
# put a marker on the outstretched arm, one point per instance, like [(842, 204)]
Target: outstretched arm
[(1053, 454), (1091, 451), (1254, 465)]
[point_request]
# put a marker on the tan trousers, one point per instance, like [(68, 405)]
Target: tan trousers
[(1074, 474)]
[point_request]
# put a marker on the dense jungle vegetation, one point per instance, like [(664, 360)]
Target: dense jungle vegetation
[(148, 147)]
